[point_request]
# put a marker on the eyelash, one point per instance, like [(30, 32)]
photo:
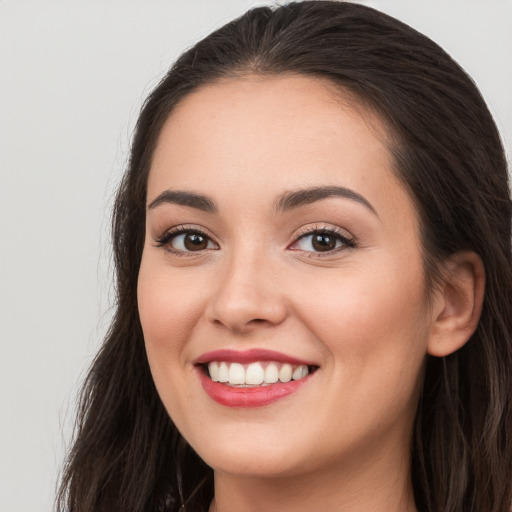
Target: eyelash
[(347, 242), (165, 240)]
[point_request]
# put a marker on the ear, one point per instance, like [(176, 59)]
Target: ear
[(457, 303)]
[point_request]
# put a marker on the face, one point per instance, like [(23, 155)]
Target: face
[(282, 255)]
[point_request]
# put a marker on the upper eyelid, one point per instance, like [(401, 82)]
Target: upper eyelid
[(186, 228), (164, 241), (348, 240), (166, 236), (319, 228)]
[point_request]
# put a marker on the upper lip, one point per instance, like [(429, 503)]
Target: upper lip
[(249, 356)]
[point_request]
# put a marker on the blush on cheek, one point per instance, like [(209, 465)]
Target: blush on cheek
[(168, 312)]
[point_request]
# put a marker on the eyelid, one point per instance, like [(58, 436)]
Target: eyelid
[(348, 240), (164, 240), (323, 228)]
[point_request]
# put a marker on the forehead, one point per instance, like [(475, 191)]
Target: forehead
[(287, 108), (271, 134)]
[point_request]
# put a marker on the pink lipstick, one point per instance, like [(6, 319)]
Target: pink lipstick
[(252, 378)]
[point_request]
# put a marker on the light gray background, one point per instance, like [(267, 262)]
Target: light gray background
[(72, 77)]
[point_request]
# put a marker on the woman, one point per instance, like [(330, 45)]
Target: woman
[(312, 244)]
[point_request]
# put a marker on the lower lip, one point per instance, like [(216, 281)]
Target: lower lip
[(230, 396)]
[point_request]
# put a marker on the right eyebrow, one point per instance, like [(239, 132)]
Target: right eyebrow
[(184, 198)]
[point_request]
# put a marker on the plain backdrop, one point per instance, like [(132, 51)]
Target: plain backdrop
[(72, 77)]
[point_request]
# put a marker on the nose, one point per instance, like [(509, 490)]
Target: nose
[(247, 295)]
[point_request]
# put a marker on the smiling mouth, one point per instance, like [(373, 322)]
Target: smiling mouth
[(255, 374), (252, 378)]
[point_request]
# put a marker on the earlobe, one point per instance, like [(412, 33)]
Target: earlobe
[(458, 303)]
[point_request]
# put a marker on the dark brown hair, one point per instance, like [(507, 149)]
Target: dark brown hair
[(128, 455)]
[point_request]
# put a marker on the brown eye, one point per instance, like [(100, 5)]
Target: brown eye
[(187, 241), (323, 242), (195, 242)]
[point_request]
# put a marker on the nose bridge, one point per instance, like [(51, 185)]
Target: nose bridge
[(247, 293)]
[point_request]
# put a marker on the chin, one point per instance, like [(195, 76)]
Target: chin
[(258, 456), (253, 464)]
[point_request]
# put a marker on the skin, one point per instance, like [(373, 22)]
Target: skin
[(342, 441)]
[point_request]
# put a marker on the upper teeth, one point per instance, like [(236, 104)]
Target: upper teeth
[(256, 373)]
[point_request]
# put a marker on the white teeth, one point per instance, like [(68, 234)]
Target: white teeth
[(285, 373), (255, 374), (300, 372), (213, 369), (271, 373), (223, 372), (236, 374)]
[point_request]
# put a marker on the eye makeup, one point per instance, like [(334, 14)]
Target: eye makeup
[(317, 240)]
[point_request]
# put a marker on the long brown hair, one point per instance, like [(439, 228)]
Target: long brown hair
[(128, 455)]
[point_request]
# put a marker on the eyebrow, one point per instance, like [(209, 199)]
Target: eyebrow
[(294, 199), (287, 201), (184, 198)]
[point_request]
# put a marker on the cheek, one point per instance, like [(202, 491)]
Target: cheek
[(168, 306), (168, 309), (371, 319), (375, 331)]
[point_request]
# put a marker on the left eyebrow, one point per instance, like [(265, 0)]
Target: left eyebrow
[(302, 197)]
